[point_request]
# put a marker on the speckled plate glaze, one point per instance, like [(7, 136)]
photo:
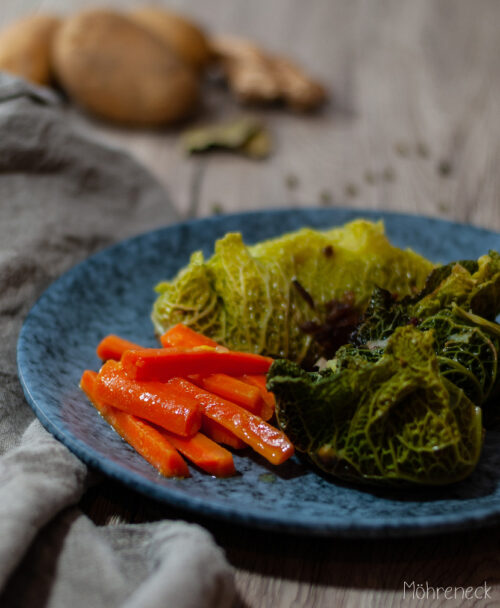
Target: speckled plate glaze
[(112, 292)]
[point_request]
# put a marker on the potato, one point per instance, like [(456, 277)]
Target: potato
[(117, 70), (25, 47), (183, 36)]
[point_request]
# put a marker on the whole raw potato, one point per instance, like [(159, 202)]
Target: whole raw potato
[(181, 34), (25, 47), (117, 70)]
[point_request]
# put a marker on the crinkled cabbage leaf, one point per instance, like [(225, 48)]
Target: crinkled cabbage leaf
[(258, 298), (471, 288), (389, 421), (451, 304), (408, 387)]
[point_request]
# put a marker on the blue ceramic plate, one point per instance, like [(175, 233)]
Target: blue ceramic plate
[(112, 292)]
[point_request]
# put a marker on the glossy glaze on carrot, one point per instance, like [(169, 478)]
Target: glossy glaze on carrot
[(204, 453), (220, 434), (150, 443), (161, 364), (153, 401), (234, 390), (268, 441)]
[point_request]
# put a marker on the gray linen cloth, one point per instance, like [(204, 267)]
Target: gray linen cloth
[(63, 196)]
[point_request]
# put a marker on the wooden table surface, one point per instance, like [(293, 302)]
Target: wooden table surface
[(413, 125)]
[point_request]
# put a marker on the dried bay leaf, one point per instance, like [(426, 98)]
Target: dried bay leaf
[(259, 145), (245, 135)]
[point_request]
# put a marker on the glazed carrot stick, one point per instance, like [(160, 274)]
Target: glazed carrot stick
[(113, 347), (219, 434), (152, 401), (161, 364), (204, 453), (268, 397), (182, 336), (150, 443), (234, 390), (262, 437)]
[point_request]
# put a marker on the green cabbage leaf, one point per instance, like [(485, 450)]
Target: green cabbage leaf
[(404, 401), (395, 420), (259, 298), (451, 304)]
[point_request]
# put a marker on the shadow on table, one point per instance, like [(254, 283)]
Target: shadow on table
[(454, 559)]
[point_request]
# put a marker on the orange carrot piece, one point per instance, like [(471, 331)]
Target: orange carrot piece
[(237, 391), (150, 443), (161, 364), (182, 336), (87, 382), (266, 440), (234, 390), (269, 406), (113, 347), (204, 453), (218, 433), (153, 401)]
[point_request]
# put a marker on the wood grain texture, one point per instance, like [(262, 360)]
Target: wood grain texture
[(413, 125), (414, 88)]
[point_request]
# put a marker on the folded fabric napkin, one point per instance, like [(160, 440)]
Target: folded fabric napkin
[(63, 196)]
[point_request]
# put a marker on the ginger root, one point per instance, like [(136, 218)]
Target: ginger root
[(256, 76)]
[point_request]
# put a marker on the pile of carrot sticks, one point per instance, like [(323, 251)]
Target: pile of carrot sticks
[(182, 401)]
